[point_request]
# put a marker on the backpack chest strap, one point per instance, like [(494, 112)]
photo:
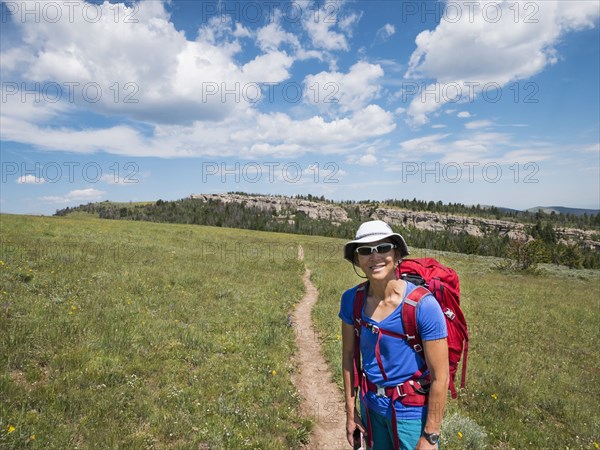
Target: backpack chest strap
[(409, 319), (380, 332)]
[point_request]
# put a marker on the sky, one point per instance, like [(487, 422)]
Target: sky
[(475, 102)]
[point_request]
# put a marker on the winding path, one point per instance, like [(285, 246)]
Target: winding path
[(321, 398)]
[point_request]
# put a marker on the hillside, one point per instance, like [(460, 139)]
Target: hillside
[(286, 208), (474, 230)]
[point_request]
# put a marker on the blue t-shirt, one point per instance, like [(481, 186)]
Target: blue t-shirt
[(399, 360)]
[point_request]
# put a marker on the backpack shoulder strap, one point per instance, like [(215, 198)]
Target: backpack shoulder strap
[(359, 301), (409, 318)]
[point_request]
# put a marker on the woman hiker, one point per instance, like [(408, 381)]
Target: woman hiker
[(402, 397)]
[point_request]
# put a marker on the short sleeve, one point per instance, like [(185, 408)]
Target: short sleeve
[(431, 320), (347, 306)]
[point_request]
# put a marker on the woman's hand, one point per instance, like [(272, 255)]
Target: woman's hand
[(352, 423), (352, 417)]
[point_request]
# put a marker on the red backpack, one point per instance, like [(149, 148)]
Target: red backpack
[(442, 282)]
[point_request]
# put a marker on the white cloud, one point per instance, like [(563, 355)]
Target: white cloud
[(25, 104), (438, 126), (248, 135), (268, 68), (323, 38), (478, 124), (423, 105), (477, 48), (77, 195), (146, 70), (30, 179), (351, 91), (464, 114), (347, 23), (385, 32), (426, 144), (271, 36), (241, 31), (121, 140), (319, 24), (476, 156), (187, 90), (367, 160)]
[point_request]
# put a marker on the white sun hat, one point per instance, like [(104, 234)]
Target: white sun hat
[(373, 231)]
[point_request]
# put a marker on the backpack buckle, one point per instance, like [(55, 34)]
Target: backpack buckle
[(380, 391), (417, 348), (449, 314), (400, 390), (373, 328)]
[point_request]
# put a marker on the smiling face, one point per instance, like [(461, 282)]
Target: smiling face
[(378, 266)]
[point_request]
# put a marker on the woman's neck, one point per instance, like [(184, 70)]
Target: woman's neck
[(381, 288)]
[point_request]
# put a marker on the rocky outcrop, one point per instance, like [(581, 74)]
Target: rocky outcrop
[(286, 208)]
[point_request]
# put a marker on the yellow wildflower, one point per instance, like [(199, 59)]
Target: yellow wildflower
[(460, 435), (495, 396), (274, 372), (596, 445), (10, 428), (32, 437)]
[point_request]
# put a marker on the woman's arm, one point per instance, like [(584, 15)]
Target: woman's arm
[(436, 357), (352, 421)]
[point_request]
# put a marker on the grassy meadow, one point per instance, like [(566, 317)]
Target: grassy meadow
[(135, 335)]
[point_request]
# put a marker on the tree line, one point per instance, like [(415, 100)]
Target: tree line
[(544, 249), (584, 221)]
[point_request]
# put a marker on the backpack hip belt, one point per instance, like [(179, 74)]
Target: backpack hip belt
[(408, 396), (410, 393)]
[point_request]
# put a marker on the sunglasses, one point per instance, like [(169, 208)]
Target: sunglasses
[(381, 248)]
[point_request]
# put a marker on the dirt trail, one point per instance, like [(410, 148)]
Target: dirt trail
[(321, 398)]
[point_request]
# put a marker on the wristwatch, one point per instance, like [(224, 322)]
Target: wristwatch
[(432, 438)]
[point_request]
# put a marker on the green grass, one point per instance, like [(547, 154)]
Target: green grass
[(119, 334), (140, 335)]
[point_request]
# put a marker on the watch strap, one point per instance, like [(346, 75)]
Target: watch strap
[(432, 438)]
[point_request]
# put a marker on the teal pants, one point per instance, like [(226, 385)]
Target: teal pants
[(409, 431)]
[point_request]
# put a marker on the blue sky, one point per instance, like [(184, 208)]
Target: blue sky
[(493, 103)]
